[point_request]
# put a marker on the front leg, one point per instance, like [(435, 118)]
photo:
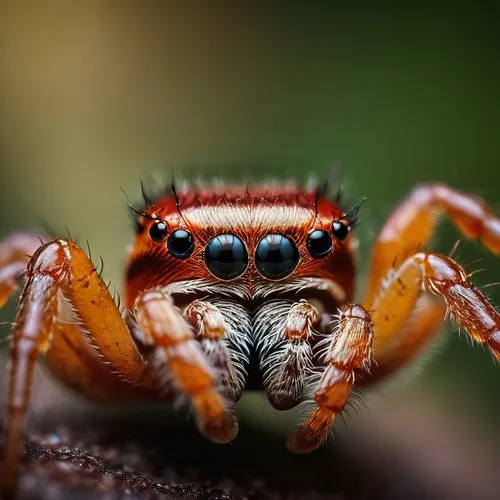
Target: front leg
[(178, 358), (349, 350), (61, 269)]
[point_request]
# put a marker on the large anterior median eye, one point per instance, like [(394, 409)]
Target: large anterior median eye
[(276, 256), (226, 256), (180, 244)]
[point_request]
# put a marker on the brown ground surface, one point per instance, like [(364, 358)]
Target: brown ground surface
[(402, 449), (70, 464)]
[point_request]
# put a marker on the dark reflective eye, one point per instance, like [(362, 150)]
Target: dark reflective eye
[(158, 231), (226, 256), (276, 256), (340, 230), (319, 244), (180, 244)]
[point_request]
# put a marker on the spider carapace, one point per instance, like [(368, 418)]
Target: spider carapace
[(235, 287)]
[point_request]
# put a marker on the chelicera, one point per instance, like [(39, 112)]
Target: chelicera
[(237, 287)]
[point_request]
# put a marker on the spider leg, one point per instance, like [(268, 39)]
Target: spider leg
[(60, 269), (15, 251), (413, 222), (283, 329), (404, 347), (441, 276), (73, 361), (162, 326), (223, 328), (349, 350)]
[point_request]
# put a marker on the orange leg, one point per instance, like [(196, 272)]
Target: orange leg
[(348, 350), (406, 346), (439, 275), (73, 361), (161, 324), (60, 268), (15, 252), (413, 222)]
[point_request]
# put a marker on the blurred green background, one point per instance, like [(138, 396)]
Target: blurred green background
[(96, 95)]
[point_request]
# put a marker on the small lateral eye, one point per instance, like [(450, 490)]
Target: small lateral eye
[(158, 231), (340, 230), (180, 244), (319, 244)]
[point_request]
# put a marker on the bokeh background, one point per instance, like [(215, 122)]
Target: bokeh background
[(96, 95)]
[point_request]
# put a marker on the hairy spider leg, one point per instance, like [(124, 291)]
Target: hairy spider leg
[(347, 351), (413, 223), (406, 346), (283, 330), (60, 269), (177, 352), (15, 252), (410, 227), (76, 364), (439, 275)]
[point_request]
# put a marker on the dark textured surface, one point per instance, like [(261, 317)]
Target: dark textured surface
[(143, 455), (55, 471), (175, 463)]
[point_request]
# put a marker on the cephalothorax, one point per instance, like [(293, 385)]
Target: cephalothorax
[(236, 287)]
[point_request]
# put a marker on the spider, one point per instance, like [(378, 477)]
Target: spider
[(240, 287)]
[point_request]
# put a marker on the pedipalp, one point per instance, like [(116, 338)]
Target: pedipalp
[(283, 331)]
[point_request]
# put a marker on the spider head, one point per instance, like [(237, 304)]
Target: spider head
[(243, 241)]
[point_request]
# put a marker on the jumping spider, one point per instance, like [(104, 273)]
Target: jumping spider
[(231, 287)]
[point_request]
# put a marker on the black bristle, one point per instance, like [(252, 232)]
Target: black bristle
[(352, 217)]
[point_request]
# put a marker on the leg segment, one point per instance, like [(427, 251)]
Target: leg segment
[(422, 326), (439, 275), (70, 358), (348, 350), (15, 252), (179, 356), (60, 269), (223, 328), (413, 222), (283, 330)]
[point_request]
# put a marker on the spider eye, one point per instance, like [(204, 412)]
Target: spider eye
[(340, 230), (276, 256), (180, 244), (226, 256), (158, 231), (319, 244)]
